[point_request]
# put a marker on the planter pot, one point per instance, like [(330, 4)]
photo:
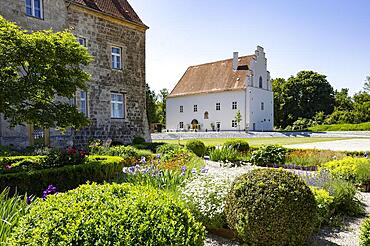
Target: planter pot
[(223, 232)]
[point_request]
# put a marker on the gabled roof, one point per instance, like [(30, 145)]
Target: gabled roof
[(120, 9), (214, 77)]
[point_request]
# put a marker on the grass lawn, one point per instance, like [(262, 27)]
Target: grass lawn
[(260, 141)]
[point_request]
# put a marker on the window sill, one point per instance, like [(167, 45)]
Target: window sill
[(35, 17)]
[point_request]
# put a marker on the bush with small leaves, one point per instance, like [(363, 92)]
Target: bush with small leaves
[(269, 154), (110, 214), (365, 233), (238, 144), (271, 207), (197, 146)]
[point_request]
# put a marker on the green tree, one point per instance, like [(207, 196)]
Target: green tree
[(343, 101), (161, 106), (151, 105), (238, 118), (39, 72), (302, 96)]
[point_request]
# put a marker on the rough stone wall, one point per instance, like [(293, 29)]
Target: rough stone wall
[(100, 34)]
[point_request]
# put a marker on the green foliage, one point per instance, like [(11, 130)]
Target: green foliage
[(12, 208), (210, 148), (161, 105), (269, 154), (96, 168), (301, 96), (116, 214), (365, 233), (238, 118), (178, 158), (237, 144), (271, 207), (129, 153), (324, 203), (149, 146), (138, 140), (225, 155), (355, 170), (197, 146), (341, 127), (34, 68), (345, 201), (151, 106), (166, 148)]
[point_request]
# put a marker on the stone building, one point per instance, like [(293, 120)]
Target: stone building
[(115, 37), (209, 96)]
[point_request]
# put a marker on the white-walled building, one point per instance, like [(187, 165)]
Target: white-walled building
[(208, 96)]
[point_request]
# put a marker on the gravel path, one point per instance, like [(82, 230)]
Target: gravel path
[(348, 235)]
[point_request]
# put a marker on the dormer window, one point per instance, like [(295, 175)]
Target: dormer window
[(34, 8)]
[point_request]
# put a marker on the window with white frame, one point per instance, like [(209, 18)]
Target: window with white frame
[(218, 106), (117, 105), (116, 58), (234, 105), (83, 102), (34, 8), (181, 124), (195, 108), (82, 41), (262, 106), (234, 123), (181, 109)]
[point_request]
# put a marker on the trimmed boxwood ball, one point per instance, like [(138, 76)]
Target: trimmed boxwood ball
[(365, 233), (197, 146), (109, 214), (271, 207)]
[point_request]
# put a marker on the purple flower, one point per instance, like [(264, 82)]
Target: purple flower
[(183, 169), (193, 171), (182, 174), (158, 156), (51, 190), (131, 169), (29, 200), (204, 170), (143, 160)]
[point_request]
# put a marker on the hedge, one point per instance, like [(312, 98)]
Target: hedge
[(97, 169), (341, 127)]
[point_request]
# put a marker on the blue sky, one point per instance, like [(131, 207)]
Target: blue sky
[(331, 37)]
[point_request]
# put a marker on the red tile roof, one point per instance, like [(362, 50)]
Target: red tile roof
[(117, 8), (214, 77)]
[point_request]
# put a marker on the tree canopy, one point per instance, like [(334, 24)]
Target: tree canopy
[(39, 73), (301, 96)]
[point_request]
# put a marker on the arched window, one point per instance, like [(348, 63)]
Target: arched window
[(206, 115), (260, 84)]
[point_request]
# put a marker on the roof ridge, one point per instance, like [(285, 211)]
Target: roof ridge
[(208, 63)]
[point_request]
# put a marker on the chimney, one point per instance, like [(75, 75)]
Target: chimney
[(235, 61)]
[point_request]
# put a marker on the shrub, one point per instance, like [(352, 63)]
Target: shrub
[(149, 146), (209, 149), (138, 140), (129, 153), (324, 204), (271, 207), (11, 209), (355, 170), (237, 144), (225, 155), (176, 159), (165, 148), (96, 168), (197, 147), (365, 233), (205, 195), (269, 154), (116, 214), (63, 157), (342, 127)]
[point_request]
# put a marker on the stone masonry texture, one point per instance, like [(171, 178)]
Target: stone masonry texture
[(101, 34)]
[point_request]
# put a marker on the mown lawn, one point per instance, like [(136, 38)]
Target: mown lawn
[(260, 141)]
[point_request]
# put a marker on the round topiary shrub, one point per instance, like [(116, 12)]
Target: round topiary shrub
[(197, 146), (271, 207), (237, 144), (365, 233), (109, 214)]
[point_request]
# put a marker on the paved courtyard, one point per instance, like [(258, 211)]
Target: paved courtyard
[(338, 145)]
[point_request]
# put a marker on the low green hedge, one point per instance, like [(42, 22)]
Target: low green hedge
[(341, 127), (109, 214), (237, 144), (197, 146), (130, 153), (97, 169)]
